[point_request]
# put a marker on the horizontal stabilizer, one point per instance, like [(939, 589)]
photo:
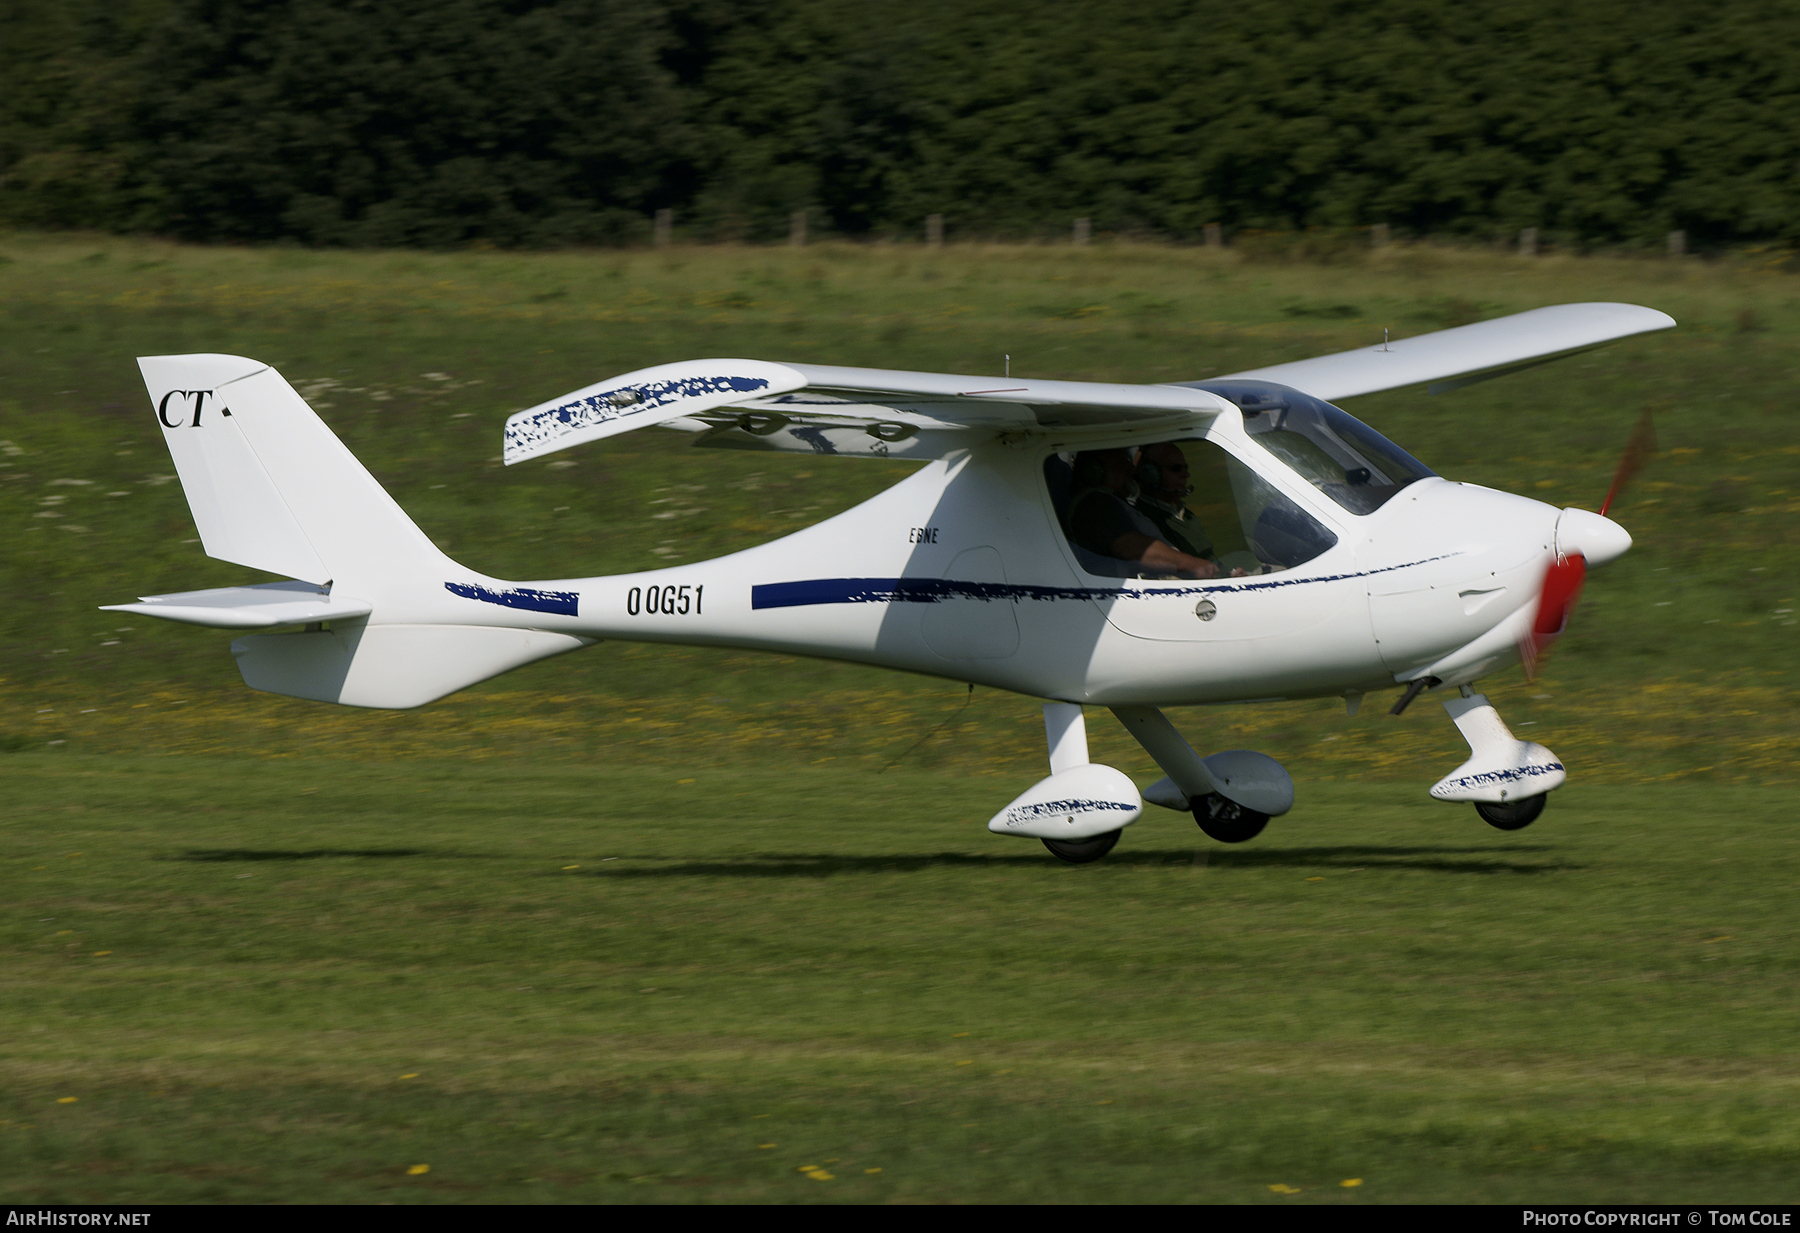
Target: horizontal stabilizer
[(1504, 342), (253, 607)]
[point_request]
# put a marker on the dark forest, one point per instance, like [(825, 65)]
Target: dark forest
[(539, 123)]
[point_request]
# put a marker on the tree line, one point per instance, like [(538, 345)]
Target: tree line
[(549, 122)]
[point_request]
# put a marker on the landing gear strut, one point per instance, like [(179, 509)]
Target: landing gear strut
[(1227, 821), (1079, 810), (1505, 778), (1258, 787)]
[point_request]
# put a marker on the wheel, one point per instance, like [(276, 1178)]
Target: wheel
[(1081, 851), (1512, 815), (1228, 821)]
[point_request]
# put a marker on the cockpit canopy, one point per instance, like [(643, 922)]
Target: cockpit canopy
[(1337, 453)]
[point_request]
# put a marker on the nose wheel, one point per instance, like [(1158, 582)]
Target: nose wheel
[(1227, 821), (1081, 851), (1511, 815)]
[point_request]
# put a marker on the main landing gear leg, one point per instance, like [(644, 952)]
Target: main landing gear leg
[(1065, 731), (1232, 795), (1079, 809), (1506, 779)]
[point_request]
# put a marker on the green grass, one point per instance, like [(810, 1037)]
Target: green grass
[(303, 904), (608, 985)]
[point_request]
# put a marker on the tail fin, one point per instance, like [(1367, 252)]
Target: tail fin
[(271, 487)]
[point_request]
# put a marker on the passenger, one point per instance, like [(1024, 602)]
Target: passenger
[(1163, 487), (1101, 520)]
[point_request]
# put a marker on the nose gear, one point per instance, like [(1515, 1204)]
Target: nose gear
[(1505, 778)]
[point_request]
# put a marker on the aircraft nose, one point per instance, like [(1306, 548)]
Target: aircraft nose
[(1597, 538)]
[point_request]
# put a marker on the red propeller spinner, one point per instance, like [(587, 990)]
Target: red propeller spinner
[(1563, 579)]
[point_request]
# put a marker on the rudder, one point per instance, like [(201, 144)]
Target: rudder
[(271, 487)]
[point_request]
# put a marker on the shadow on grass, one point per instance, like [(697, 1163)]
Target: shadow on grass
[(1359, 858), (307, 854)]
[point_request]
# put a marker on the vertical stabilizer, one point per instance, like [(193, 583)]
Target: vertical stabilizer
[(271, 487)]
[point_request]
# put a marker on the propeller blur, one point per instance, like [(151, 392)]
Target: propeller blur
[(1128, 546)]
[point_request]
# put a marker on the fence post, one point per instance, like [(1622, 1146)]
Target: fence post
[(1083, 229), (665, 223), (797, 229), (1528, 242), (934, 231), (1378, 236), (1215, 235), (1677, 243)]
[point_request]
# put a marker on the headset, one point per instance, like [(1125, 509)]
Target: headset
[(1150, 475)]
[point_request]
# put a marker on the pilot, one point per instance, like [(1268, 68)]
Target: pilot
[(1163, 487), (1101, 520)]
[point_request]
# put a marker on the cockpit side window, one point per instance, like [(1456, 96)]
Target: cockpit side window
[(1333, 450), (1177, 509)]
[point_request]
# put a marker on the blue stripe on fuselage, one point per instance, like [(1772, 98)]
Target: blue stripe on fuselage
[(937, 590), (562, 603)]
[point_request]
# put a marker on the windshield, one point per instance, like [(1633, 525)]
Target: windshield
[(1124, 513), (1337, 453)]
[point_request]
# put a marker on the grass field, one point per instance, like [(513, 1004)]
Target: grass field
[(767, 937), (298, 980)]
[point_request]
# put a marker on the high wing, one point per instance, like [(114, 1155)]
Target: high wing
[(877, 412), (1485, 349), (856, 412)]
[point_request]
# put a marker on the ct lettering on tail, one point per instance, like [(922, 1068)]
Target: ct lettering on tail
[(199, 402)]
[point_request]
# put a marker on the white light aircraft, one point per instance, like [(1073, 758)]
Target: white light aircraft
[(1127, 546)]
